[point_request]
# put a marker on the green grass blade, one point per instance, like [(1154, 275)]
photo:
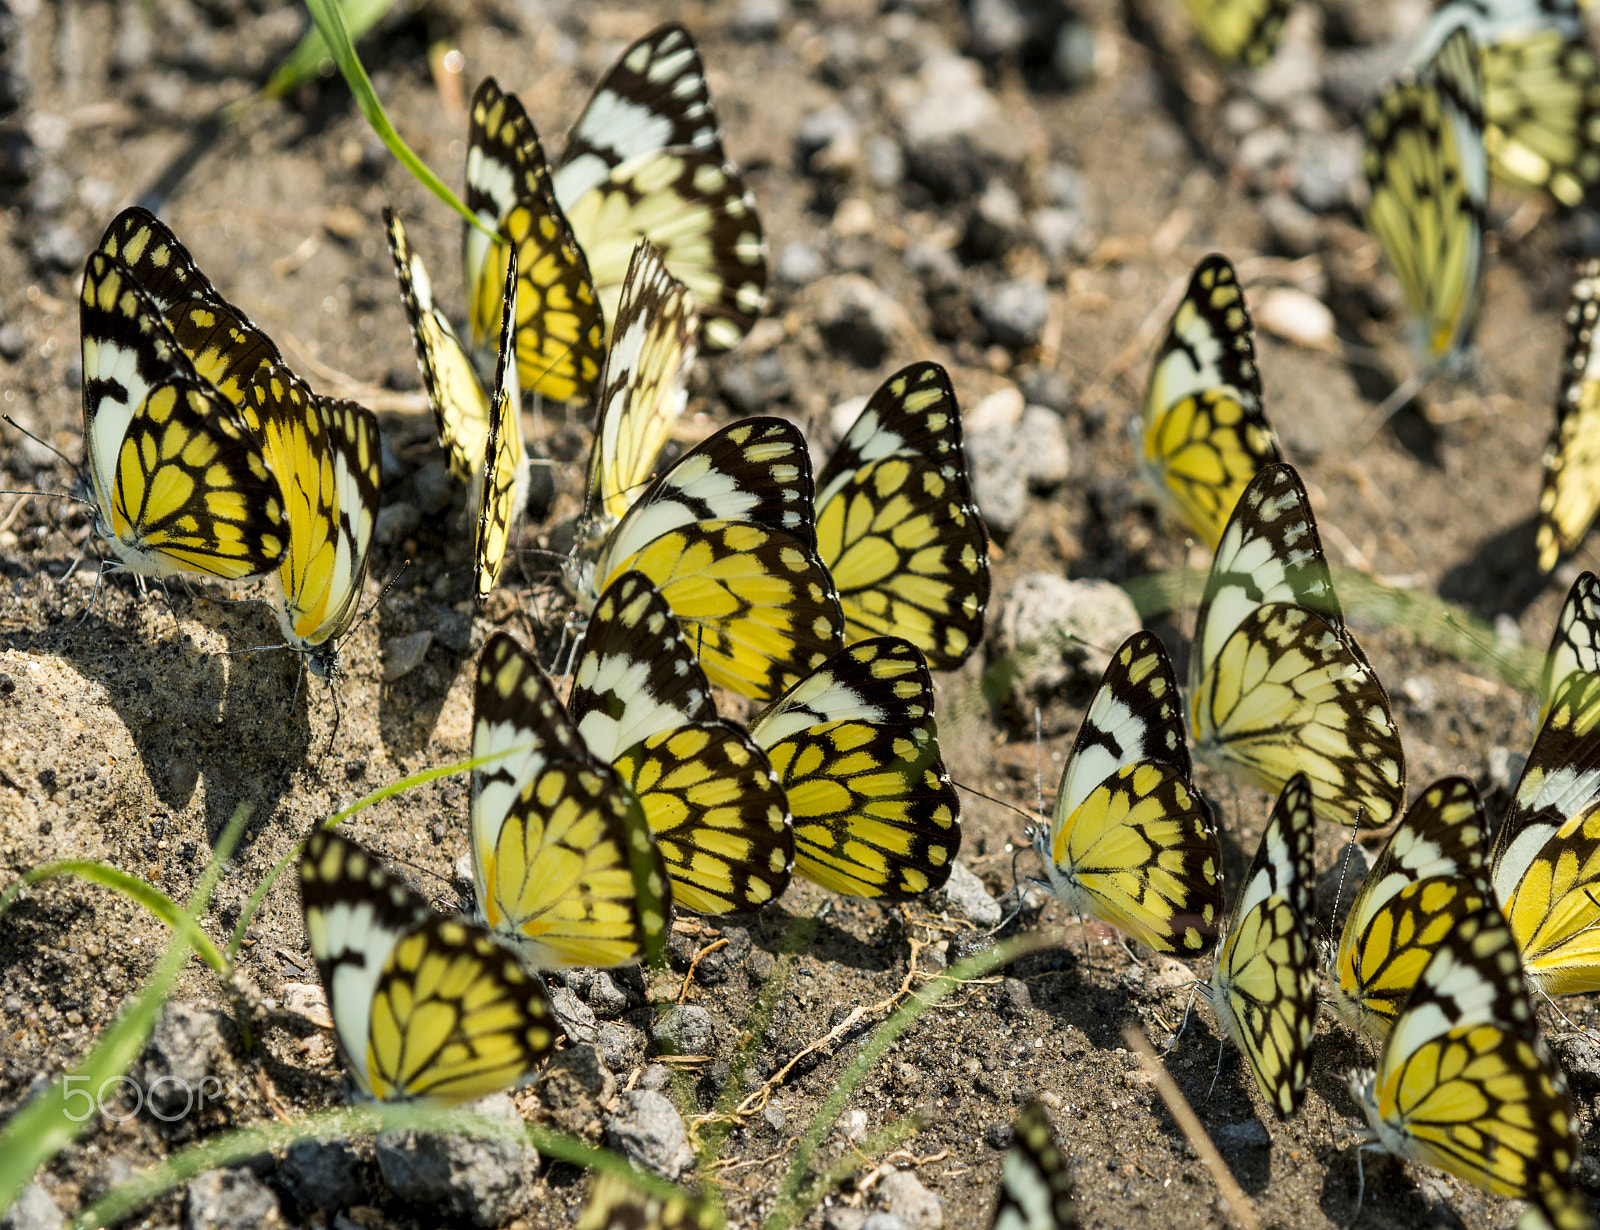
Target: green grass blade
[(142, 892), (330, 23), (47, 1124)]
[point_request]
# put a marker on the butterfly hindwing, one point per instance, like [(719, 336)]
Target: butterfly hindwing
[(1575, 644), (1277, 684), (642, 703), (856, 747), (502, 488), (1432, 872), (563, 863), (617, 1204), (897, 524), (1036, 1189), (1570, 495), (1131, 841), (1264, 989), (424, 1007), (1203, 429), (1246, 30)]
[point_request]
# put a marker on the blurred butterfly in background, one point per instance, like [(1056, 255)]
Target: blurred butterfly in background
[(897, 525), (616, 1204), (1036, 1189), (1246, 30), (1131, 840), (1277, 684), (1203, 431), (856, 748), (644, 706), (1431, 874), (1570, 495), (1541, 90), (1264, 988), (424, 1007), (1428, 182), (1464, 1082), (563, 864)]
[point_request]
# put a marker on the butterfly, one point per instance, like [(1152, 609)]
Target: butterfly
[(1277, 685), (1465, 1084), (1575, 644), (897, 525), (563, 864), (617, 1204), (220, 341), (1427, 175), (1131, 841), (559, 326), (179, 484), (645, 160), (727, 536), (1203, 431), (1570, 495), (502, 486), (1036, 1190), (1264, 989), (1246, 30), (1541, 90), (643, 705), (424, 1007), (1545, 861), (643, 392), (856, 748), (1431, 874), (325, 453)]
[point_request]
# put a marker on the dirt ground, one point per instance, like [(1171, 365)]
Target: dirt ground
[(130, 738)]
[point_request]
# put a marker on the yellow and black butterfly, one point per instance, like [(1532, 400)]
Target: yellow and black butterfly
[(856, 747), (563, 864), (424, 1007), (1575, 644), (502, 487), (1203, 432), (1131, 840), (1036, 1190), (643, 705), (727, 536), (643, 392), (1431, 874), (559, 327), (325, 453), (1264, 989), (1465, 1084), (1428, 180), (897, 524), (645, 160), (1246, 30), (1545, 862), (1277, 684), (1570, 496), (1541, 90), (617, 1204), (179, 484)]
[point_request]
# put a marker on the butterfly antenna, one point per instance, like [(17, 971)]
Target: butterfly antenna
[(1344, 870), (1392, 405), (1222, 1044), (382, 594), (71, 465), (93, 594), (1183, 1022), (1038, 761)]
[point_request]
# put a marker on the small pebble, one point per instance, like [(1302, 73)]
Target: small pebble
[(232, 1199), (647, 1128), (463, 1178), (403, 654), (966, 894)]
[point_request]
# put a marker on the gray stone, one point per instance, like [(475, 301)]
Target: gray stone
[(685, 1029), (1293, 228), (322, 1174), (1052, 630), (453, 629), (574, 1086), (655, 1077), (759, 20), (1262, 150), (33, 1209), (1000, 28), (1011, 447), (799, 264), (575, 1016), (1325, 167), (403, 654), (1045, 386), (1294, 71), (823, 128), (884, 162), (1580, 1059), (13, 345), (845, 1218), (1251, 1134), (648, 1130), (1014, 312), (433, 487), (1061, 235), (857, 320), (1013, 998), (185, 1047), (996, 223), (395, 523), (1075, 59), (1420, 693), (751, 387), (232, 1199), (965, 893), (903, 1195), (486, 1182), (600, 991), (620, 1045), (59, 247), (1505, 767)]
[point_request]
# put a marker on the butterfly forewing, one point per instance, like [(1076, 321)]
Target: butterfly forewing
[(1570, 496), (501, 491), (897, 524), (856, 747), (1246, 30), (1036, 1189)]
